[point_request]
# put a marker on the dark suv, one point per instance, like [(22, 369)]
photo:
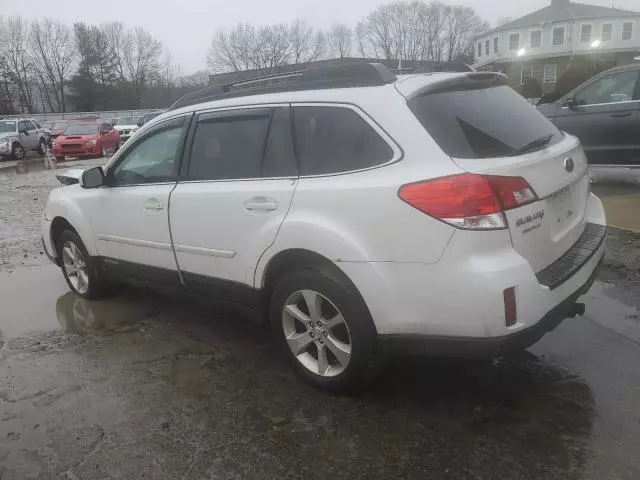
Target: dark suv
[(604, 113)]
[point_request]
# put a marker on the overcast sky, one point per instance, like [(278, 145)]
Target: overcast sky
[(186, 26)]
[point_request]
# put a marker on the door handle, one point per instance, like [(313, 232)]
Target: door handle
[(621, 114), (262, 204), (153, 204)]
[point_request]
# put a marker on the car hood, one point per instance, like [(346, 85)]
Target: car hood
[(82, 138)]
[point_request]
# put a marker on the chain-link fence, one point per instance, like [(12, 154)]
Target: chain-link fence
[(107, 115)]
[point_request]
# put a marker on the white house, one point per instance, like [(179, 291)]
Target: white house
[(541, 44)]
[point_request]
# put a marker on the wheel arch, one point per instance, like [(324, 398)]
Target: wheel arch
[(294, 258), (73, 219)]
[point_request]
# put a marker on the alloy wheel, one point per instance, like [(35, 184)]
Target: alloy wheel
[(18, 152), (316, 333), (75, 267)]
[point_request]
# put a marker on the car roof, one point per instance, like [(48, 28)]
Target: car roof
[(404, 84)]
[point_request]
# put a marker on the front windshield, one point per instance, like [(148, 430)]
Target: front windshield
[(128, 120), (7, 126), (81, 129)]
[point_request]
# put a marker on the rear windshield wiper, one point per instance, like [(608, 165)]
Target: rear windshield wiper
[(533, 145)]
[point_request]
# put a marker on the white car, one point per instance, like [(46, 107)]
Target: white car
[(363, 213), (127, 126)]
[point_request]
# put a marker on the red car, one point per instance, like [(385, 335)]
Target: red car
[(86, 139)]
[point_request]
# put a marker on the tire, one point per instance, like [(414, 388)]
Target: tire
[(354, 339), (17, 151), (75, 258), (42, 147)]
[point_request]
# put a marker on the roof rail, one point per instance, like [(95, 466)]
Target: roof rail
[(338, 76), (442, 67)]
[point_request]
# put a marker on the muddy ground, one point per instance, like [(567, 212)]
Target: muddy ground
[(148, 386)]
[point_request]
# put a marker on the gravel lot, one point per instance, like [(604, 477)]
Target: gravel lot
[(22, 199)]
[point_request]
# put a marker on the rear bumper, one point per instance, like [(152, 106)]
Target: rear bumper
[(485, 347)]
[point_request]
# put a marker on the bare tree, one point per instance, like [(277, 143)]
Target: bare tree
[(461, 26), (340, 41), (196, 80), (169, 73), (141, 61), (234, 50), (14, 46), (305, 44), (53, 53), (119, 41)]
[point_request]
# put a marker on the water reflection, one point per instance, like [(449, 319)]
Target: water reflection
[(77, 315)]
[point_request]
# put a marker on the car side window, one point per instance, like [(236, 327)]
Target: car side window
[(22, 126), (618, 87), (152, 159), (37, 124), (229, 145), (30, 125), (336, 139)]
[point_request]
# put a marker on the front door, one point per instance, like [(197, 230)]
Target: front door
[(234, 195), (606, 119), (27, 138), (129, 216)]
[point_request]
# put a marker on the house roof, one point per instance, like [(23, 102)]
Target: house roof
[(562, 10)]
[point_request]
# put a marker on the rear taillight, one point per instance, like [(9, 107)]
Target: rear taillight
[(469, 201)]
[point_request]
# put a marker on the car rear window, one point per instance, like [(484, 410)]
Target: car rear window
[(483, 123)]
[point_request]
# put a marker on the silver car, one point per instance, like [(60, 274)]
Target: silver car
[(18, 135)]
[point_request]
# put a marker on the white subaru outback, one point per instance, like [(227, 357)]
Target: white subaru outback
[(363, 212)]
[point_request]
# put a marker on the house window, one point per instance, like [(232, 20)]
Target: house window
[(536, 39), (607, 32), (558, 37), (526, 74), (514, 41), (585, 33), (550, 72), (479, 49), (627, 30), (495, 45), (486, 47)]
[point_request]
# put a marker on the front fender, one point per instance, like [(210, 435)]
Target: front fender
[(61, 205)]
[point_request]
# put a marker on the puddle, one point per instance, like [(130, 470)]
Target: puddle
[(614, 309), (38, 299)]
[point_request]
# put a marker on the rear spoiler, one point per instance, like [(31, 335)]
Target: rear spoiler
[(470, 81)]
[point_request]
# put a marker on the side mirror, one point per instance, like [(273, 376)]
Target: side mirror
[(571, 103), (92, 178), (25, 132)]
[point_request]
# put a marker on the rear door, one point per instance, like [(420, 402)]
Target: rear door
[(33, 139), (235, 191), (606, 118), (494, 131)]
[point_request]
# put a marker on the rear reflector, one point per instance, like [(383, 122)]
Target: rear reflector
[(469, 201), (510, 314)]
